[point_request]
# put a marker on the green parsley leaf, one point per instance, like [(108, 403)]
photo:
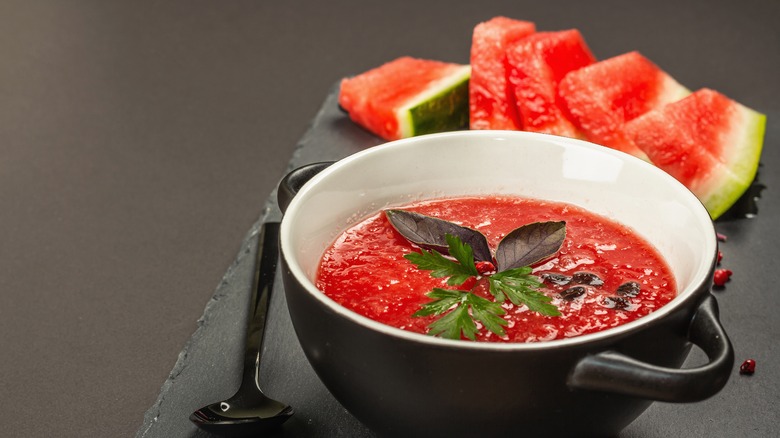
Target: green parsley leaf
[(441, 266), (443, 300), (462, 253), (453, 324), (464, 309), (488, 313), (520, 287)]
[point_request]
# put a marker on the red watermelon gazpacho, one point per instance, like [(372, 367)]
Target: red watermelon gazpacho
[(495, 269)]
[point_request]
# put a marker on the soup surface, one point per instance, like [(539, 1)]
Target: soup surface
[(604, 274)]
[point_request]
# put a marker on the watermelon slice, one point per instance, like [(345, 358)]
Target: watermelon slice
[(491, 99), (602, 97), (707, 141), (407, 97), (537, 63)]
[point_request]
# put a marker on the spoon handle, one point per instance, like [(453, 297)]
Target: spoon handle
[(265, 272)]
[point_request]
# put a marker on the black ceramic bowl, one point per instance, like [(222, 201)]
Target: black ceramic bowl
[(407, 384)]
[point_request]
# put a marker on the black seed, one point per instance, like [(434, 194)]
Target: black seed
[(629, 289), (588, 278), (616, 303), (556, 279), (573, 292)]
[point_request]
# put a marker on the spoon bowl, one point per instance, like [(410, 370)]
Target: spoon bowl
[(250, 411), (242, 415)]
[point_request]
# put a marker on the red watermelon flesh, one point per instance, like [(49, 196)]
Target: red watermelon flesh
[(537, 64), (602, 97), (707, 141), (491, 99), (399, 99)]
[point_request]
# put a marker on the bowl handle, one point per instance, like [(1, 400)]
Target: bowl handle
[(614, 372), (294, 180)]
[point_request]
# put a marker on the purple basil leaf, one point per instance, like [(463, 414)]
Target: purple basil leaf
[(429, 233), (529, 244)]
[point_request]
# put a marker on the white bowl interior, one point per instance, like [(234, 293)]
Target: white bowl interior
[(599, 179)]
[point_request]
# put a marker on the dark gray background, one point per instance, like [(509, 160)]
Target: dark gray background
[(139, 142)]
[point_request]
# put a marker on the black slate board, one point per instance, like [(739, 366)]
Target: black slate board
[(208, 367)]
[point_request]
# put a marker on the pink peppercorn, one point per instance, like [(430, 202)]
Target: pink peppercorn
[(721, 276), (748, 367), (485, 267)]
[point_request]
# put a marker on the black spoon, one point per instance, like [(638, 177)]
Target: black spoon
[(249, 411)]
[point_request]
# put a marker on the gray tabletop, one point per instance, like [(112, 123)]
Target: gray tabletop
[(140, 143)]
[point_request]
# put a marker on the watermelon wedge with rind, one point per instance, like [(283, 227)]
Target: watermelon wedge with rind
[(443, 106), (708, 142), (602, 97), (537, 63), (491, 98), (407, 97)]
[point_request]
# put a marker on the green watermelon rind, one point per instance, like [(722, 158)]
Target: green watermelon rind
[(443, 106), (741, 167)]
